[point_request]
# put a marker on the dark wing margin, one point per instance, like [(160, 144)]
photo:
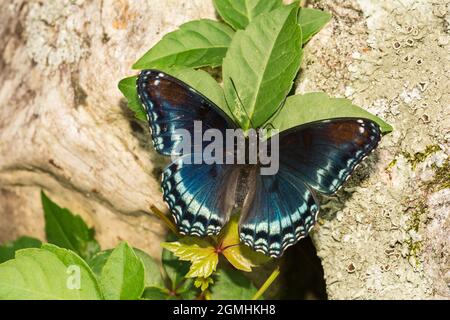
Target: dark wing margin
[(201, 197), (171, 104), (325, 153)]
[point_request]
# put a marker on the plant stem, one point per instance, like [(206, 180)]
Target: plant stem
[(267, 284), (169, 223)]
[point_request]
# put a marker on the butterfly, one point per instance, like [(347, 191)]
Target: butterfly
[(276, 210)]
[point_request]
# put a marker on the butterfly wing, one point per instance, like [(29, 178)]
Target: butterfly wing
[(201, 197), (281, 210), (172, 104), (319, 155), (326, 152)]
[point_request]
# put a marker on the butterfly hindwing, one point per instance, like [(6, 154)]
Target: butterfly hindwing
[(200, 196), (171, 104), (280, 211)]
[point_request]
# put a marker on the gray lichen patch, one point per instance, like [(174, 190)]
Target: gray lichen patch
[(56, 33), (390, 58)]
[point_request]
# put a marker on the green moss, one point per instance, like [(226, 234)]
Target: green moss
[(415, 247), (441, 178), (419, 157), (391, 165)]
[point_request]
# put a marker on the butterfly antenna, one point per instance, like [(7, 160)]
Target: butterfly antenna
[(242, 105)]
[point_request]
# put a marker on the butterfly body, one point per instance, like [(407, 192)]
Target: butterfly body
[(276, 209)]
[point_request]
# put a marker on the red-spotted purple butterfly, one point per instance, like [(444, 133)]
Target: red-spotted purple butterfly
[(276, 210)]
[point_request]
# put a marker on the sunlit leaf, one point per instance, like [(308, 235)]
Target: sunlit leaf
[(300, 109), (199, 252), (195, 44), (312, 21), (261, 64), (239, 255), (238, 13)]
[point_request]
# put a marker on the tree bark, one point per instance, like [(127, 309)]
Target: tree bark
[(65, 129)]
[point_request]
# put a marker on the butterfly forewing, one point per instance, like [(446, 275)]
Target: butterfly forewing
[(171, 104)]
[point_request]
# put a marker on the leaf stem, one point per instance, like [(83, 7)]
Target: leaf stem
[(169, 223), (267, 284)]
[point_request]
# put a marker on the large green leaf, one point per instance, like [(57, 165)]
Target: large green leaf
[(50, 273), (8, 249), (123, 276), (232, 285), (174, 268), (67, 230), (239, 13), (195, 44), (311, 21), (152, 269), (262, 62), (300, 109), (128, 88)]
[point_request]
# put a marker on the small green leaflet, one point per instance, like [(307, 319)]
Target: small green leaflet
[(195, 44), (152, 268), (230, 284), (300, 109), (239, 13), (67, 230), (8, 249), (128, 88), (123, 276), (312, 21), (262, 62)]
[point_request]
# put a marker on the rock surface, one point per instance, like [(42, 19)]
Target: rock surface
[(65, 128)]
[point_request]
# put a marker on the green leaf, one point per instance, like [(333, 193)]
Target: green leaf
[(50, 273), (174, 268), (123, 275), (263, 61), (199, 252), (152, 269), (195, 44), (300, 109), (156, 293), (239, 13), (98, 261), (67, 230), (128, 88), (239, 255), (312, 21), (232, 285), (8, 249), (203, 283)]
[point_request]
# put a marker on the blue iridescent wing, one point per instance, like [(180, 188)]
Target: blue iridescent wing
[(319, 155), (281, 210), (172, 104), (201, 197)]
